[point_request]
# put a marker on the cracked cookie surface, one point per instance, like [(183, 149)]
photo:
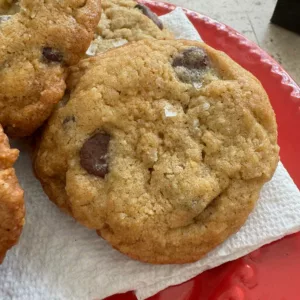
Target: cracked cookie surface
[(12, 209), (124, 21), (39, 40), (162, 147)]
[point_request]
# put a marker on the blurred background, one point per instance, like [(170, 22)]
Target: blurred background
[(252, 19)]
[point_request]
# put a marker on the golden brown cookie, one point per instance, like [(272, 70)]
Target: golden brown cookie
[(38, 43), (12, 208), (163, 148), (124, 21)]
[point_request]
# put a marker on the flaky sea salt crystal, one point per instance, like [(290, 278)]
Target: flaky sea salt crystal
[(206, 106), (4, 18), (196, 123), (91, 51), (72, 163), (120, 42), (122, 216), (170, 111), (33, 14), (194, 203), (153, 155), (197, 85)]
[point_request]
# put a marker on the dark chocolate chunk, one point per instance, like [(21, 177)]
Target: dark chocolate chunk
[(192, 58), (191, 65), (52, 55), (94, 154), (151, 15)]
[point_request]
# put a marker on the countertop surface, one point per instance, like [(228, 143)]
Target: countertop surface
[(252, 19)]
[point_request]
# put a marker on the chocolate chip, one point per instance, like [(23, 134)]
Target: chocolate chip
[(150, 14), (192, 58), (94, 154), (53, 55), (68, 119), (191, 65)]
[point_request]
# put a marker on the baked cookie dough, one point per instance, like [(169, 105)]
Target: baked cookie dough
[(8, 7), (124, 21), (12, 209), (38, 43), (162, 147)]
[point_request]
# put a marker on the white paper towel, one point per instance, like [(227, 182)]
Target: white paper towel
[(59, 259), (178, 23)]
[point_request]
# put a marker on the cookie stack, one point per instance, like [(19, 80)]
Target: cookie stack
[(160, 145), (39, 41)]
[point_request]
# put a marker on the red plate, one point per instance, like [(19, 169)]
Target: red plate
[(272, 272)]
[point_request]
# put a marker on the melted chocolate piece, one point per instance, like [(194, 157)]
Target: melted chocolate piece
[(191, 65), (94, 154), (192, 58), (52, 55)]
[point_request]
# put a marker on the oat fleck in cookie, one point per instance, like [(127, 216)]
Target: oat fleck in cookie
[(163, 148), (125, 21), (12, 209), (38, 42)]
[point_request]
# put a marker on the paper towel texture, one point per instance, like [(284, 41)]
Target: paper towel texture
[(178, 23), (60, 259)]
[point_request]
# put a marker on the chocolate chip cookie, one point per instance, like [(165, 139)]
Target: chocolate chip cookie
[(38, 43), (12, 209), (125, 21), (162, 147)]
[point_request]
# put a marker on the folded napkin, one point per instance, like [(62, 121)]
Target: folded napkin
[(59, 259)]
